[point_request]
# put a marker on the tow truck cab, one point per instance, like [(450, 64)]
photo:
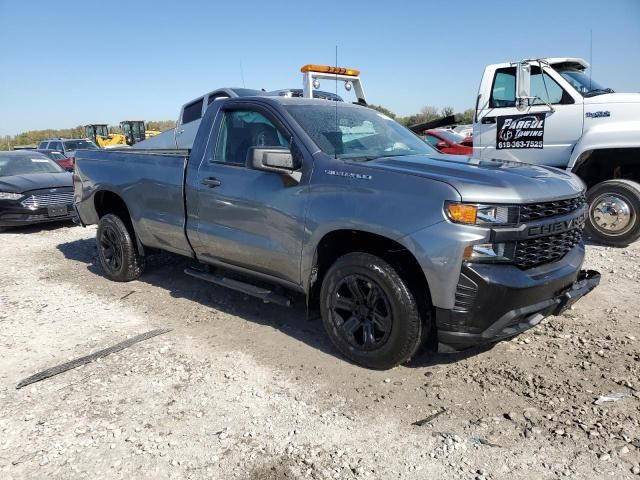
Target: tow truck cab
[(551, 112)]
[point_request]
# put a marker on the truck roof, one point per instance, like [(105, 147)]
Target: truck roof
[(305, 101), (579, 62), (572, 62)]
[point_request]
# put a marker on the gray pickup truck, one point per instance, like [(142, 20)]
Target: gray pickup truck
[(394, 243)]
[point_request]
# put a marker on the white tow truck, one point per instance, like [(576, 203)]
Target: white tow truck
[(192, 112), (549, 111)]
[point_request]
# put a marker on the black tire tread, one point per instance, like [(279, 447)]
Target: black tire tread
[(133, 262), (408, 338)]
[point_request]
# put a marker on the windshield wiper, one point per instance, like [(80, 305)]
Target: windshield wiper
[(598, 91)]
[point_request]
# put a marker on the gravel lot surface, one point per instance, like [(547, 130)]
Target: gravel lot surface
[(243, 390)]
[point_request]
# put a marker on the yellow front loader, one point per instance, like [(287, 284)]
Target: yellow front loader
[(99, 133)]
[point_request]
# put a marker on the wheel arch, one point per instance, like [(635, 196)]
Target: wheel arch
[(600, 164), (106, 202), (339, 242)]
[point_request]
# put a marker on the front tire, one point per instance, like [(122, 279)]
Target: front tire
[(614, 212), (369, 312), (117, 251)]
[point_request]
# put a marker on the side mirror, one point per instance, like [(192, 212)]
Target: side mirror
[(442, 144), (523, 84), (271, 159)]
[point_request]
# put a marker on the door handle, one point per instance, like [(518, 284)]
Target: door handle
[(487, 120), (211, 182)]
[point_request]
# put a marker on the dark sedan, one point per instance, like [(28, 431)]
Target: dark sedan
[(33, 189)]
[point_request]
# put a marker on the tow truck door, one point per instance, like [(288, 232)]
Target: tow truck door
[(245, 217), (535, 134)]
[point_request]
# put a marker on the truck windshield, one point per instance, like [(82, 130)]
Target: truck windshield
[(356, 133), (583, 83)]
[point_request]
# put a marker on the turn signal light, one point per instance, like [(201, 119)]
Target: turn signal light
[(461, 213), (328, 69)]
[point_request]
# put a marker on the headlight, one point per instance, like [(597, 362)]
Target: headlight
[(10, 196), (475, 214)]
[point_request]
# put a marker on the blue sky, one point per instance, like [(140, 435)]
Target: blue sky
[(67, 63)]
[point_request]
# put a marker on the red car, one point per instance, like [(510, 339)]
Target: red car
[(447, 141), (59, 158)]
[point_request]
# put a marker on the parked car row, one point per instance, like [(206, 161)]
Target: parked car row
[(449, 142), (59, 158), (33, 189), (63, 150)]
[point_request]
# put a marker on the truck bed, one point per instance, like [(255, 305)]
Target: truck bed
[(151, 182)]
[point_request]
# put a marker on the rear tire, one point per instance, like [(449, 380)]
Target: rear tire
[(614, 212), (369, 312), (117, 250)]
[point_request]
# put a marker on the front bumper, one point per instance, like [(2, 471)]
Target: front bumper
[(495, 302), (15, 216)]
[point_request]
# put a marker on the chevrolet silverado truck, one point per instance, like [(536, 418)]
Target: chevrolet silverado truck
[(335, 203), (551, 112)]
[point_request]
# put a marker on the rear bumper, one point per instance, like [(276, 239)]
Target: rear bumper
[(19, 216), (495, 302)]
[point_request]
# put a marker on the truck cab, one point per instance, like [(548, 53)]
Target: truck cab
[(551, 112)]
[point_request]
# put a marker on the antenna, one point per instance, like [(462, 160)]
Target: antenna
[(590, 56), (242, 75), (335, 153)]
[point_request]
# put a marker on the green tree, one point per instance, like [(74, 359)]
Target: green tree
[(467, 116), (426, 114), (447, 111)]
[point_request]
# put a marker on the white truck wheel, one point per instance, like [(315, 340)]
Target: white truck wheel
[(614, 212)]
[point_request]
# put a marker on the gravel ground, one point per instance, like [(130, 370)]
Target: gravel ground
[(243, 390)]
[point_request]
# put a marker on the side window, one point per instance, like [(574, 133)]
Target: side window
[(55, 146), (503, 92), (192, 112), (42, 146), (243, 129), (556, 93)]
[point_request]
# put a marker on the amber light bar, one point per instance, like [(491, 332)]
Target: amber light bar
[(328, 69)]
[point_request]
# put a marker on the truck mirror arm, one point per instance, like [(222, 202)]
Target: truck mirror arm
[(523, 102)]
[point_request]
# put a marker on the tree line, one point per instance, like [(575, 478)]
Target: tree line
[(427, 114), (34, 137)]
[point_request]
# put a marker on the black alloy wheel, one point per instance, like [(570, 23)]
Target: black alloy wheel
[(361, 312), (111, 249), (117, 250)]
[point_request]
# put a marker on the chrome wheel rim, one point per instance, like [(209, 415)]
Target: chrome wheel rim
[(611, 214)]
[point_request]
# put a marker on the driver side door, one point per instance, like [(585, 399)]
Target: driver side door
[(546, 143), (249, 218)]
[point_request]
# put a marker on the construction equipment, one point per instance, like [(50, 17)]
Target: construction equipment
[(135, 131), (99, 133)]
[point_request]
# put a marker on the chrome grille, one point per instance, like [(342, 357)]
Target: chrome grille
[(534, 252), (48, 199), (536, 211)]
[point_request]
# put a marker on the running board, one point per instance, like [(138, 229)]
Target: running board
[(259, 292)]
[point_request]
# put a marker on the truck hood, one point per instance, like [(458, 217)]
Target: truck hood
[(612, 98), (487, 181), (35, 181)]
